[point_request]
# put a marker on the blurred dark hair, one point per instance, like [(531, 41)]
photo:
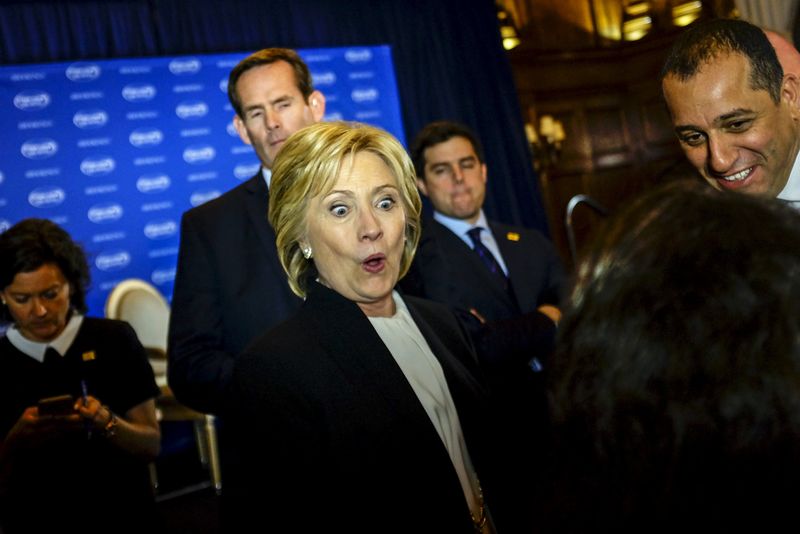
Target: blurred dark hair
[(705, 41), (267, 56), (436, 133), (675, 389), (31, 243)]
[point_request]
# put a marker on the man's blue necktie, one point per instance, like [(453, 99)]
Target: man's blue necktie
[(486, 255)]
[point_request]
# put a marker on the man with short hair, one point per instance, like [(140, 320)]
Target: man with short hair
[(736, 115), (229, 285), (451, 261)]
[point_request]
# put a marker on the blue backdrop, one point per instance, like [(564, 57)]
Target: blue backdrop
[(116, 150)]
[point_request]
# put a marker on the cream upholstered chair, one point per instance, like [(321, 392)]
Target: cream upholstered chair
[(147, 311)]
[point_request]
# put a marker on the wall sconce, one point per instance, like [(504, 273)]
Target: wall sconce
[(637, 19), (508, 32), (684, 13), (546, 142)]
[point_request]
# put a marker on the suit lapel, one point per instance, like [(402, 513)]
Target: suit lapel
[(350, 340), (516, 254), (257, 204), (455, 371), (458, 252)]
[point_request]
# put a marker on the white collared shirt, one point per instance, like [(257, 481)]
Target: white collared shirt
[(36, 349), (791, 192), (267, 174), (461, 227)]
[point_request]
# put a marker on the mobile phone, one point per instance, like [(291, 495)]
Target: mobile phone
[(59, 405)]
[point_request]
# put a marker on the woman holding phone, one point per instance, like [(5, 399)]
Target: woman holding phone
[(77, 413)]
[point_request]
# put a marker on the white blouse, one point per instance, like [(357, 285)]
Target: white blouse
[(407, 345)]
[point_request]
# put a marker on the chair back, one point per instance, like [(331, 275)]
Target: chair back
[(569, 223), (142, 305)]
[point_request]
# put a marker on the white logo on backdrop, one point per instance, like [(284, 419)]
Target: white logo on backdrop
[(90, 119), (4, 225), (188, 88), (28, 76), (31, 100), (153, 183), (113, 260), (185, 66), (160, 229), (146, 137), (192, 109), (358, 55), (141, 92), (324, 78), (136, 69), (39, 148), (97, 165), (106, 212), (371, 115), (369, 94), (46, 197), (83, 72), (362, 75), (197, 154)]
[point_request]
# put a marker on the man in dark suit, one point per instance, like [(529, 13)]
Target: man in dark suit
[(504, 282), (515, 299), (229, 285)]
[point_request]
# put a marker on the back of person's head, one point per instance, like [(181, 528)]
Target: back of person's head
[(439, 132), (32, 243), (675, 390), (787, 54), (268, 56), (309, 164), (706, 41)]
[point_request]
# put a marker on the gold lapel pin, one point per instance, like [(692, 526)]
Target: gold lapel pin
[(88, 356), (512, 236)]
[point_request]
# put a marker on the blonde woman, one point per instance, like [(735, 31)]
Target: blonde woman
[(364, 412)]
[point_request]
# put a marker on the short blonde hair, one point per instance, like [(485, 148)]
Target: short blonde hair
[(307, 166)]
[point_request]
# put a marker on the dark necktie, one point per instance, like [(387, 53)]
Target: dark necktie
[(486, 255)]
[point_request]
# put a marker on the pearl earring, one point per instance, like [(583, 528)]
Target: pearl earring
[(307, 252)]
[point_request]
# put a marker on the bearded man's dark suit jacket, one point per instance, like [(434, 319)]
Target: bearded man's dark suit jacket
[(331, 435), (229, 288)]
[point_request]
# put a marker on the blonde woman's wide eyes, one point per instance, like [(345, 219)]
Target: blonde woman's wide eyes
[(386, 203), (338, 210)]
